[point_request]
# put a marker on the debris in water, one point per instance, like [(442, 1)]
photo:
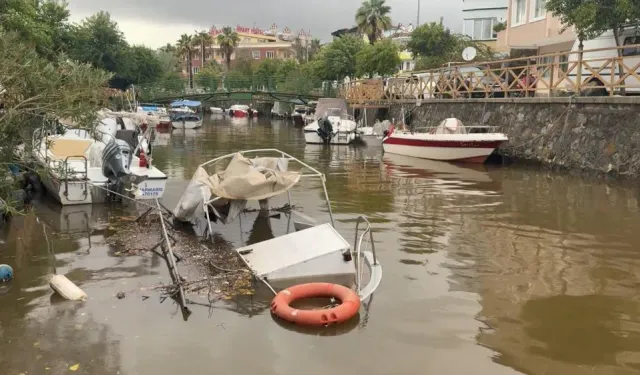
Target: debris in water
[(120, 295), (74, 367), (6, 273)]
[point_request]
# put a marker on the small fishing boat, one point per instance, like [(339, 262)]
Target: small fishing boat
[(162, 118), (241, 110), (186, 121), (277, 111), (80, 169), (299, 115), (216, 110), (332, 124), (449, 141), (298, 255), (373, 135)]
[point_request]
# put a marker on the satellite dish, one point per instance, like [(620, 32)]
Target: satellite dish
[(469, 53)]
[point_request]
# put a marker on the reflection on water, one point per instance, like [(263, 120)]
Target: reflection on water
[(486, 271)]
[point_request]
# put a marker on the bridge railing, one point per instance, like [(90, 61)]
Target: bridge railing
[(294, 85), (605, 71)]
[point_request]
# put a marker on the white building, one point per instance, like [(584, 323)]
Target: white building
[(479, 17)]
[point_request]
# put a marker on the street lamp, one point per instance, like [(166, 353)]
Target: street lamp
[(418, 23)]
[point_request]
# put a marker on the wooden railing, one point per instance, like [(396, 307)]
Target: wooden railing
[(588, 73)]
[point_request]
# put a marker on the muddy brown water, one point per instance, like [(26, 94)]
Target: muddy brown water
[(487, 270)]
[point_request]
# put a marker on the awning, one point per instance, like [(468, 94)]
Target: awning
[(187, 103), (558, 39)]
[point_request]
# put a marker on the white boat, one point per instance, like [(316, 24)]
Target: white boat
[(332, 124), (277, 111), (186, 121), (216, 110), (373, 135), (296, 256), (181, 110), (449, 141), (159, 116), (299, 115), (80, 168)]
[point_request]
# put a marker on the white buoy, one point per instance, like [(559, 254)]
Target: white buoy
[(66, 288)]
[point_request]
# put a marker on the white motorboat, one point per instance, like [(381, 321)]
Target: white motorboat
[(298, 255), (186, 121), (373, 135), (300, 114), (277, 111), (449, 141), (332, 124), (216, 110), (158, 114), (79, 168)]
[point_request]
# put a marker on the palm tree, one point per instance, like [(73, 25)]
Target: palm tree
[(202, 39), (314, 48), (228, 41), (185, 49), (373, 18), (168, 48)]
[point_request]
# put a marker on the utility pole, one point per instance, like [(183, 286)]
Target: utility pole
[(418, 23)]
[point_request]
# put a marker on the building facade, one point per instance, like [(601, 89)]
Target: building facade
[(532, 29), (480, 17), (255, 44), (530, 26)]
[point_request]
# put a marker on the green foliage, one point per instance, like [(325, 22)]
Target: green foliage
[(35, 87), (184, 49), (373, 19), (338, 59), (142, 65), (209, 77), (42, 24), (228, 41), (499, 26), (200, 40), (580, 14), (382, 59), (237, 80), (435, 45), (432, 39)]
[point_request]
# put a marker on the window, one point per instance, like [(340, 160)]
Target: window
[(519, 12), (545, 66), (255, 55), (633, 51), (538, 9), (480, 28), (195, 69), (195, 57), (563, 62), (271, 54)]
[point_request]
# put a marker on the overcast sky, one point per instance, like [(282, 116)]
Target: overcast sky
[(156, 22)]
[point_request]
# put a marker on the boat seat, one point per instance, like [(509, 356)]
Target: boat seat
[(62, 148)]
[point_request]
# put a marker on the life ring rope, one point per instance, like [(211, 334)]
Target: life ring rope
[(348, 308)]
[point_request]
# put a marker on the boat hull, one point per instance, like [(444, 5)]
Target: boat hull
[(458, 151), (240, 113), (312, 137), (187, 124)]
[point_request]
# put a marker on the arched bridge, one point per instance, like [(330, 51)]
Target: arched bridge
[(298, 91)]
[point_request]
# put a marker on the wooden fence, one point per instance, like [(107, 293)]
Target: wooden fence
[(595, 72)]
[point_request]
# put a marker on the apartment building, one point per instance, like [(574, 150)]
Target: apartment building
[(255, 43), (531, 27), (480, 17)]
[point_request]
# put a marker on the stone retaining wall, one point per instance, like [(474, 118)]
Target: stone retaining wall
[(599, 135)]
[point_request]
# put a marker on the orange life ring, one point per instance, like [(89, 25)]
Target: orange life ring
[(348, 308)]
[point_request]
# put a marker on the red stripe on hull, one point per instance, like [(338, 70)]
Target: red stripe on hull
[(239, 114), (446, 144)]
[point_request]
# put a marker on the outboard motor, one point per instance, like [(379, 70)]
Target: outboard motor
[(325, 129), (116, 160)]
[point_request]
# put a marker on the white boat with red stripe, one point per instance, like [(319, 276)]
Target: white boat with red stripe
[(449, 141)]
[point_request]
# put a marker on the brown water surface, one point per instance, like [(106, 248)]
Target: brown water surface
[(487, 270)]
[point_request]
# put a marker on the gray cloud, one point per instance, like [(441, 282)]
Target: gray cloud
[(321, 17)]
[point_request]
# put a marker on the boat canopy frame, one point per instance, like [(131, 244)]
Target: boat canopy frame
[(312, 173)]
